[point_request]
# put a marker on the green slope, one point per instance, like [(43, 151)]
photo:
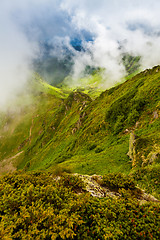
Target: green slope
[(89, 136), (24, 118)]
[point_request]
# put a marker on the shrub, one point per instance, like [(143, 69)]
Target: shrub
[(98, 150), (133, 117), (118, 180), (59, 171), (92, 146), (148, 178), (42, 208), (125, 110), (119, 125), (73, 182)]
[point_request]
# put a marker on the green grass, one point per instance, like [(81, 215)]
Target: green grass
[(69, 129)]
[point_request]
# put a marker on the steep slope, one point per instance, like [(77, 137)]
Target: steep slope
[(88, 136), (137, 100)]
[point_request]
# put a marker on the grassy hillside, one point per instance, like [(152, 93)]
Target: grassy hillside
[(24, 119), (71, 130), (47, 133)]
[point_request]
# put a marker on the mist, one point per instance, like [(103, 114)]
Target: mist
[(106, 29), (117, 27), (16, 55)]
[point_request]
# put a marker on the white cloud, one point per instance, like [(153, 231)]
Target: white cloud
[(136, 22), (16, 53), (23, 23)]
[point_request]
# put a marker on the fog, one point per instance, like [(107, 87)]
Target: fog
[(16, 55), (105, 28)]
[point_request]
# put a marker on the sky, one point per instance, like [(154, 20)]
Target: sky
[(102, 26)]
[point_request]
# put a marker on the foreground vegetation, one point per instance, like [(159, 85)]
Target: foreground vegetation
[(40, 205)]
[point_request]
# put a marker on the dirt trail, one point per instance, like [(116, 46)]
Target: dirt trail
[(31, 127), (30, 131), (6, 165)]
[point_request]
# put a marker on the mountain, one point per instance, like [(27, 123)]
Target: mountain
[(80, 163), (54, 66), (69, 129)]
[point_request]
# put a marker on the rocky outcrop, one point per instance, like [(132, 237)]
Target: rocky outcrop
[(155, 115), (93, 186), (148, 198), (132, 148), (153, 156), (81, 117)]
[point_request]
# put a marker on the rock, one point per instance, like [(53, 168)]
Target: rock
[(146, 71), (126, 130), (148, 197), (74, 130), (132, 148), (93, 186), (137, 124), (82, 115), (155, 115), (153, 157), (79, 122), (57, 178)]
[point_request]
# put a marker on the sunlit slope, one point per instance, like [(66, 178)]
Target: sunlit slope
[(89, 136), (102, 142)]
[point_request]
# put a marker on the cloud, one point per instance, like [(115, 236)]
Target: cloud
[(112, 22), (16, 54), (101, 26)]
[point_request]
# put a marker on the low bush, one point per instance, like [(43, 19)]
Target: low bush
[(38, 206), (99, 149), (148, 178), (92, 146), (117, 180)]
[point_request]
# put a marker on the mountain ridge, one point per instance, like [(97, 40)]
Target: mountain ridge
[(88, 136)]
